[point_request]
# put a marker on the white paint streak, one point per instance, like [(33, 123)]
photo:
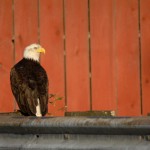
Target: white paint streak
[(38, 109)]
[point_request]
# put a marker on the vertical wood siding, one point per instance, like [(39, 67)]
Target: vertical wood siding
[(97, 52), (127, 51), (77, 66), (102, 55), (51, 38), (6, 55), (145, 53)]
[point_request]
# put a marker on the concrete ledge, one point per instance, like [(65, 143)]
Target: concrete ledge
[(17, 132), (75, 125)]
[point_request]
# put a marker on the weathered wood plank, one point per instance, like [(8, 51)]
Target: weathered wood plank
[(145, 47), (51, 37), (102, 55), (128, 68), (76, 16), (6, 55), (26, 25)]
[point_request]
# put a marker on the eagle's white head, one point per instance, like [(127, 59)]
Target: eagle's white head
[(33, 52)]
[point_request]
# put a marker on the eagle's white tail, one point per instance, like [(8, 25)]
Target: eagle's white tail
[(38, 109)]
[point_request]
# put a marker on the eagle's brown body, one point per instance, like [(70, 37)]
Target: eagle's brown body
[(29, 82)]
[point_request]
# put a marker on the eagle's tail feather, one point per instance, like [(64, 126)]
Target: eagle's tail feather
[(38, 109)]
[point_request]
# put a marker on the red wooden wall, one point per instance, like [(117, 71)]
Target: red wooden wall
[(97, 52)]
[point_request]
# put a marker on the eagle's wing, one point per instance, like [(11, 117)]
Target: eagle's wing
[(27, 90), (42, 83)]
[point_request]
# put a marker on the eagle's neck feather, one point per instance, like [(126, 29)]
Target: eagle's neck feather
[(31, 56)]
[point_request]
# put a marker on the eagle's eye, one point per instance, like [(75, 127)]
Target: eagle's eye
[(34, 47)]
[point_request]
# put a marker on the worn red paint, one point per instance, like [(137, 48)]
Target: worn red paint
[(77, 66), (145, 51), (103, 55), (6, 55), (51, 38), (127, 51)]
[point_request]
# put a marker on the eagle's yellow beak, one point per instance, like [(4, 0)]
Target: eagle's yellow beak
[(41, 50)]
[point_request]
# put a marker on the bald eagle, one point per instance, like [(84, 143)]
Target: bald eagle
[(29, 83)]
